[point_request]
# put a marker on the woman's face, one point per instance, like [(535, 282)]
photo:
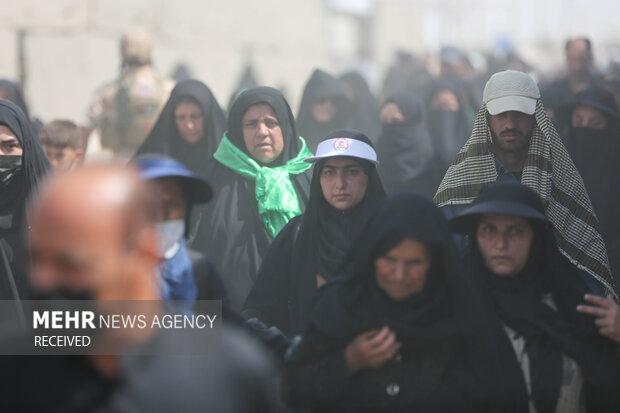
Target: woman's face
[(190, 121), (262, 133), (324, 110), (390, 113), (505, 242), (343, 182), (9, 144), (445, 100), (402, 271), (588, 117)]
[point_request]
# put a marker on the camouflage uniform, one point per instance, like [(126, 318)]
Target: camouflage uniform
[(124, 110)]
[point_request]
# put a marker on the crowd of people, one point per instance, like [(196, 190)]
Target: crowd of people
[(441, 248)]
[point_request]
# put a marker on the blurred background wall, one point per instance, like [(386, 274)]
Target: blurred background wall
[(63, 50)]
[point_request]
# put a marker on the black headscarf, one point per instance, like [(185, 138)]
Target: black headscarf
[(449, 129), (365, 106), (312, 245), (548, 333), (15, 95), (14, 195), (596, 154), (275, 99), (448, 309), (405, 149), (322, 85), (229, 229), (165, 139), (34, 164), (331, 230)]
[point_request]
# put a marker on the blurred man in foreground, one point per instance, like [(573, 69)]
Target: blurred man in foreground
[(93, 237)]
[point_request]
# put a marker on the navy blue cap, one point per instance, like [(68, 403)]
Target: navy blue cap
[(509, 198), (159, 166)]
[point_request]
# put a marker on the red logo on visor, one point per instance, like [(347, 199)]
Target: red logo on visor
[(341, 144)]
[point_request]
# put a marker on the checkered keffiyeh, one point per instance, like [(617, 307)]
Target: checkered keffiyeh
[(548, 170)]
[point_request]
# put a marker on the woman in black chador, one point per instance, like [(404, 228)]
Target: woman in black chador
[(449, 119), (260, 182), (592, 138), (365, 106), (404, 147), (403, 328), (324, 107), (23, 165), (189, 127), (344, 194), (566, 365)]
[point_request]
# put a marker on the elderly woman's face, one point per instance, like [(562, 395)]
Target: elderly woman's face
[(402, 271), (262, 133), (505, 242)]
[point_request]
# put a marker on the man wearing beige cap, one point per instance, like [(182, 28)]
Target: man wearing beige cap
[(514, 140)]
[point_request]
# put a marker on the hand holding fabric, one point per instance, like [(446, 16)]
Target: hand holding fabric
[(607, 314), (371, 349)]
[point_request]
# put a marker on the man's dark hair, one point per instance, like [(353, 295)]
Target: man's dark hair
[(569, 42)]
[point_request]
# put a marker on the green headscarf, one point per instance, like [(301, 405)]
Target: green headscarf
[(275, 194)]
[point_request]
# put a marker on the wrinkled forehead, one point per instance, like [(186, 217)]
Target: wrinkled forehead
[(258, 111)]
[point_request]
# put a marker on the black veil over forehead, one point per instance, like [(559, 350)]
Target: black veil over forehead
[(34, 162), (14, 91), (280, 106)]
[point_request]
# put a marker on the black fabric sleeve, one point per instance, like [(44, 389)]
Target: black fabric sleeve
[(268, 299), (210, 285), (315, 373)]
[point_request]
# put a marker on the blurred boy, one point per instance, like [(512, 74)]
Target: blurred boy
[(63, 144)]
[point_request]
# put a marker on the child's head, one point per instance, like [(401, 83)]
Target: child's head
[(63, 144)]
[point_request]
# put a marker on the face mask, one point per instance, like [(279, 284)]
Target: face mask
[(443, 126), (9, 166), (590, 135), (170, 233)]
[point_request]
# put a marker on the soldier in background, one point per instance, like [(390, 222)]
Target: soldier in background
[(124, 110)]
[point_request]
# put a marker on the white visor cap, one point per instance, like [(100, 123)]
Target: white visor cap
[(344, 147)]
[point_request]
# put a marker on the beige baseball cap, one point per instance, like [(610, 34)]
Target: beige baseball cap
[(511, 90)]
